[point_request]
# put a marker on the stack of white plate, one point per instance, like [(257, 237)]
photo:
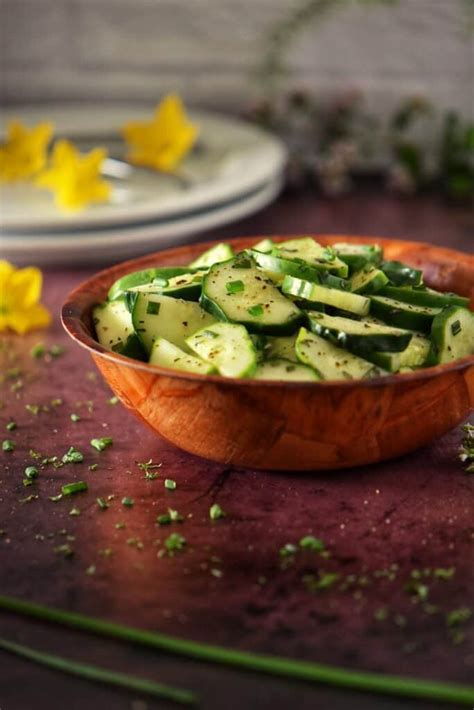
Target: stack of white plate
[(234, 171)]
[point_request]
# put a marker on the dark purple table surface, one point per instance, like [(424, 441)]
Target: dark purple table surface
[(379, 523)]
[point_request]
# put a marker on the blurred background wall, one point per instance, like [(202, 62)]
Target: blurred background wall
[(208, 50)]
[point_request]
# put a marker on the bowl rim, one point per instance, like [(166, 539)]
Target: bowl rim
[(72, 317)]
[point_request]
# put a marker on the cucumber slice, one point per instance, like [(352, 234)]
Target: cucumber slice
[(228, 347), (403, 315), (276, 268), (368, 280), (265, 246), (310, 252), (315, 293), (114, 329), (452, 335), (166, 354), (358, 336), (402, 275), (413, 357), (138, 278), (155, 315), (286, 371), (214, 255), (330, 361), (187, 286), (281, 348), (237, 291), (424, 296), (356, 256)]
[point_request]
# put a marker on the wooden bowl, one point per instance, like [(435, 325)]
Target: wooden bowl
[(290, 426)]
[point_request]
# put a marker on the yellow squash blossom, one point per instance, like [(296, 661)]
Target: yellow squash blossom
[(24, 152), (20, 291), (75, 178), (164, 141)]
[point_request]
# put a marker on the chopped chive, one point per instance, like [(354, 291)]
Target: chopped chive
[(273, 665), (170, 485), (174, 515), (8, 445), (57, 498), (37, 351), (458, 616), (65, 550), (174, 543), (102, 443), (56, 402), (75, 418), (98, 674), (163, 519), (235, 287), (32, 408), (151, 475), (113, 400), (308, 542), (31, 472), (103, 505), (288, 549), (74, 512), (93, 467), (72, 456), (216, 512), (127, 502), (56, 350), (70, 489), (255, 310), (27, 482), (11, 426)]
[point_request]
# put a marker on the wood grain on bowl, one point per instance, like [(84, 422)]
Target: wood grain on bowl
[(294, 426)]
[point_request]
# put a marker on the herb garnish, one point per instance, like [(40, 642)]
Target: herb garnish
[(102, 443), (8, 445), (255, 310), (308, 542), (31, 472), (127, 502), (72, 456), (103, 505), (75, 418), (70, 489), (174, 543), (37, 351), (11, 426), (56, 350), (234, 287), (216, 512), (170, 485)]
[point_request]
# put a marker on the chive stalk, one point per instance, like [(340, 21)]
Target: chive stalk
[(100, 675), (274, 665)]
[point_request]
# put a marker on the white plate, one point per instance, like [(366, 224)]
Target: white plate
[(113, 245), (232, 159)]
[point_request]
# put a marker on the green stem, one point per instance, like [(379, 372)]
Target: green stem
[(100, 675), (274, 665)]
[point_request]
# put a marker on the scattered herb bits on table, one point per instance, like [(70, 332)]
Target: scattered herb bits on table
[(292, 311)]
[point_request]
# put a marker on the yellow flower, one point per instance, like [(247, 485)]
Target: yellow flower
[(24, 152), (164, 141), (74, 178), (20, 291)]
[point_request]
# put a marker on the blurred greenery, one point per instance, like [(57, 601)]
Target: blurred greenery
[(331, 142)]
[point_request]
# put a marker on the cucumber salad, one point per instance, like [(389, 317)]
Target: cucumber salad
[(293, 311)]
